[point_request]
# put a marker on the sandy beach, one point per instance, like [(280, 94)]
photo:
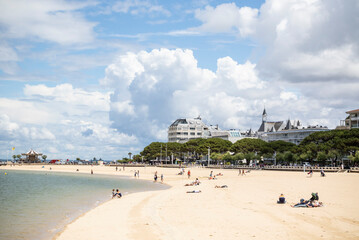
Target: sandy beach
[(247, 209)]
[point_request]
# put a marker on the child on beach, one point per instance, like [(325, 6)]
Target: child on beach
[(118, 193)]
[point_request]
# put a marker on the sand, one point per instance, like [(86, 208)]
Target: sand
[(247, 209)]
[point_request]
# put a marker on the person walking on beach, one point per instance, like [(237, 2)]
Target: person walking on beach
[(211, 174), (155, 177), (116, 168), (189, 173), (138, 174), (161, 178), (91, 171)]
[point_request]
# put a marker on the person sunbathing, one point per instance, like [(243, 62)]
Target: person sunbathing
[(223, 186), (189, 184), (194, 191), (302, 203)]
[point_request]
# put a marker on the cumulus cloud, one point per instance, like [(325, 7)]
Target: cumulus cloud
[(151, 89), (46, 20), (227, 17), (62, 119), (303, 40)]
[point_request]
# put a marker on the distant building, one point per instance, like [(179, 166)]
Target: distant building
[(288, 131), (185, 129), (31, 156), (351, 121)]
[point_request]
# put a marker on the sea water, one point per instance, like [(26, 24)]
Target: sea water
[(37, 204)]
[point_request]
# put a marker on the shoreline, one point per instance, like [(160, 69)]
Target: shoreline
[(244, 210), (71, 169)]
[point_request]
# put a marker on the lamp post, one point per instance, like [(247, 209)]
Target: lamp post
[(161, 155), (209, 155)]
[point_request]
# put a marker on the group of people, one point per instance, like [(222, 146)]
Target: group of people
[(155, 177), (312, 202), (194, 183), (137, 174), (242, 172), (310, 173), (116, 193)]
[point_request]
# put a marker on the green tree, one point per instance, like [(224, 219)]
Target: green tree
[(354, 158), (247, 145), (44, 157), (288, 157), (322, 157), (14, 157), (281, 146), (249, 156)]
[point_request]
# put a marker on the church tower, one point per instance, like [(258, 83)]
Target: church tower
[(264, 116)]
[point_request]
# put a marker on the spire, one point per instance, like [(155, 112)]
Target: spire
[(264, 115), (288, 126)]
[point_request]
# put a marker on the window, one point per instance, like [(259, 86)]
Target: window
[(185, 133), (199, 133), (192, 133), (192, 128)]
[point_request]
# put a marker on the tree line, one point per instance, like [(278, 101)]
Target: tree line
[(323, 148)]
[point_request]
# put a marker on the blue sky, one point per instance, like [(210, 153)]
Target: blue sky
[(103, 78)]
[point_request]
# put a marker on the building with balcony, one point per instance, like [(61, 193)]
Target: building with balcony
[(288, 131), (185, 129), (351, 121)]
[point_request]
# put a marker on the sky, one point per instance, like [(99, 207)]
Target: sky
[(104, 78)]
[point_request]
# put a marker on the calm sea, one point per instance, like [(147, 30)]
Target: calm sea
[(37, 205)]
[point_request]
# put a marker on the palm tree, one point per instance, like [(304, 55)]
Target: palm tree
[(129, 155), (44, 157)]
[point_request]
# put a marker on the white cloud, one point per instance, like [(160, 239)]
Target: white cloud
[(304, 40), (62, 119), (56, 21), (227, 17), (162, 85), (7, 128), (136, 7), (8, 58), (285, 95)]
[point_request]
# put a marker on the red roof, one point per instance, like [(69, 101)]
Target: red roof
[(353, 111)]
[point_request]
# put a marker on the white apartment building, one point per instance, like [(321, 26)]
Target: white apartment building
[(185, 129), (351, 121)]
